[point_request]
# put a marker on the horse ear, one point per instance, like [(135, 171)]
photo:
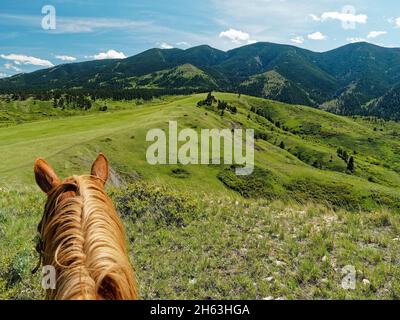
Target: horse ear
[(45, 176), (100, 168)]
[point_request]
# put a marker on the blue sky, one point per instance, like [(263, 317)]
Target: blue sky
[(98, 29)]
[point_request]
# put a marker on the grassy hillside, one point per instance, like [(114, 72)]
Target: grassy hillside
[(186, 246), (187, 76), (307, 168), (273, 86), (286, 231)]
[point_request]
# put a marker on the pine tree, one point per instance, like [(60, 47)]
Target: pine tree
[(346, 156), (61, 103), (350, 164)]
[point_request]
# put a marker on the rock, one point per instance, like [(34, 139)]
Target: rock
[(280, 263), (324, 258), (366, 282), (268, 298), (269, 279), (192, 281)]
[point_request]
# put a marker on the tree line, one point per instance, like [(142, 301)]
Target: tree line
[(80, 97)]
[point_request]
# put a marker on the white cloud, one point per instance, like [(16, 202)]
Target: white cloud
[(81, 24), (237, 36), (344, 17), (395, 21), (165, 45), (3, 75), (66, 58), (355, 40), (183, 44), (110, 54), (297, 40), (315, 18), (375, 34), (316, 36), (86, 24), (22, 59), (10, 66)]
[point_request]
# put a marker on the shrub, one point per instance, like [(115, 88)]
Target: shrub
[(141, 201), (180, 173), (261, 183)]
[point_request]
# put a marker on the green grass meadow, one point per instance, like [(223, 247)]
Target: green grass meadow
[(200, 231)]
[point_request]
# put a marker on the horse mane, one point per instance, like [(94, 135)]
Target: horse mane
[(83, 238)]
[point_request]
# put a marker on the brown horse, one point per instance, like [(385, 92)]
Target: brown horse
[(82, 237)]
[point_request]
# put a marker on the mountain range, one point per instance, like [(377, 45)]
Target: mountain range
[(356, 79)]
